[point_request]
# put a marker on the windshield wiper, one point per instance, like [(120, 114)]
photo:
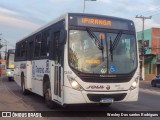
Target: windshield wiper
[(97, 42), (114, 44)]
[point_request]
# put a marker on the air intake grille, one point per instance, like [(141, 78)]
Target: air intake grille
[(98, 97)]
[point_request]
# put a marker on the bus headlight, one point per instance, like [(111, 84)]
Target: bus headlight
[(74, 83), (134, 84), (8, 72)]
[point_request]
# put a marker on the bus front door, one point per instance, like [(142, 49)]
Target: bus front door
[(58, 80), (58, 70)]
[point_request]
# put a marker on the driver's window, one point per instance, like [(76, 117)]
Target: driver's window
[(126, 47)]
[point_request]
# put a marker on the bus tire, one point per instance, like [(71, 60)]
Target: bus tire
[(153, 84), (10, 79), (105, 104), (24, 91), (47, 96)]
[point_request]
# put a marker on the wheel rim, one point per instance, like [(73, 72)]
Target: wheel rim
[(154, 84), (23, 87), (23, 84), (48, 95)]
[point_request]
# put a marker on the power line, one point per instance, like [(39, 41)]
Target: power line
[(155, 14), (11, 45), (152, 12), (148, 11), (4, 41)]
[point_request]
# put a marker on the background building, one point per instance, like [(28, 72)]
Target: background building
[(151, 51)]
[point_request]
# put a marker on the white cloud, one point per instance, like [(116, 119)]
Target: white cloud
[(15, 19), (44, 11), (151, 24), (7, 11), (104, 1), (15, 25)]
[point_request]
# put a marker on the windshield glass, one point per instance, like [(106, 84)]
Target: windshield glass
[(92, 54), (10, 61)]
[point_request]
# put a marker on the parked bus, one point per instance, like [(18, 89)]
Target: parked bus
[(80, 59), (10, 64)]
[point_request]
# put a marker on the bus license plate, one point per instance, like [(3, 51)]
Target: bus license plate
[(106, 100)]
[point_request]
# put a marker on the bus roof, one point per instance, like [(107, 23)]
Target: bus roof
[(65, 16), (43, 27), (98, 15)]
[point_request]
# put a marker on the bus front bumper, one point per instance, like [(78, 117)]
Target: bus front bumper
[(72, 96)]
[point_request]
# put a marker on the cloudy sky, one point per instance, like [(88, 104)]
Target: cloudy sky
[(19, 18)]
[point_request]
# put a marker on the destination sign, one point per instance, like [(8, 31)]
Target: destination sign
[(96, 21), (101, 22)]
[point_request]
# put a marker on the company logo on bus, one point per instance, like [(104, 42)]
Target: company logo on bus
[(96, 21), (108, 87), (23, 66), (98, 87), (95, 87)]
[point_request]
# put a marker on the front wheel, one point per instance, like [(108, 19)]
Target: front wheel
[(153, 84), (10, 79), (24, 91), (48, 97)]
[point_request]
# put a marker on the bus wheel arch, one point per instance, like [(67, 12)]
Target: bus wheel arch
[(24, 91), (22, 79), (47, 92), (46, 82)]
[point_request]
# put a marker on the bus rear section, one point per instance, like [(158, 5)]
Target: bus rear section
[(80, 59), (10, 64)]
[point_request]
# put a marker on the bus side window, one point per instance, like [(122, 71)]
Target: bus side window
[(17, 55), (45, 44), (30, 50), (37, 45), (23, 49)]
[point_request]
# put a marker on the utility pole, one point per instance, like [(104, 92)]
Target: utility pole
[(2, 44), (0, 40), (0, 49), (85, 4), (142, 48)]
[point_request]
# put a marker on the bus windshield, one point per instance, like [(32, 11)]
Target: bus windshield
[(10, 64), (117, 56)]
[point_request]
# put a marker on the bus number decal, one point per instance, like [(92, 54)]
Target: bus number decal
[(67, 72)]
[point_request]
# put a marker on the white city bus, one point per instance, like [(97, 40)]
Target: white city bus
[(80, 59), (10, 64)]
